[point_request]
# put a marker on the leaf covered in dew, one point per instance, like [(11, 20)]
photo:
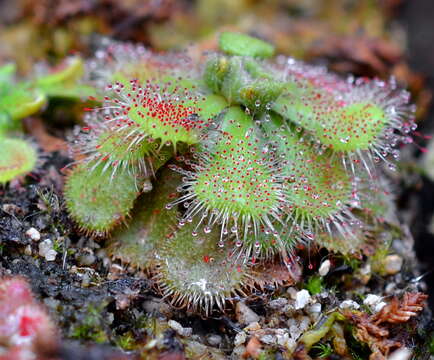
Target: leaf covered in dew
[(138, 241), (234, 184), (17, 158), (195, 272), (317, 186), (363, 118), (97, 200)]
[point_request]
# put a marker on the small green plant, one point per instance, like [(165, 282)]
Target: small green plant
[(21, 99), (265, 153), (315, 285), (324, 350)]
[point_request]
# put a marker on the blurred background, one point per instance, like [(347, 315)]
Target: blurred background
[(374, 38)]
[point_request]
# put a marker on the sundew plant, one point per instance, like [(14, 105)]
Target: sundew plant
[(202, 169)]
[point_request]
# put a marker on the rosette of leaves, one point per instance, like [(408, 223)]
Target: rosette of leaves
[(271, 152)]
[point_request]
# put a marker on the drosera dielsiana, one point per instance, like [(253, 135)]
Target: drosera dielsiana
[(269, 153)]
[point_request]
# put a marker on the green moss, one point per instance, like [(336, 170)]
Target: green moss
[(314, 285), (91, 326), (377, 260), (126, 342), (324, 350)]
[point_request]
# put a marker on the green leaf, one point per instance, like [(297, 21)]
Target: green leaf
[(209, 106), (70, 71), (17, 158), (249, 190), (137, 241), (240, 44), (195, 272), (215, 71), (70, 91), (7, 73), (21, 102), (318, 186), (342, 127), (64, 82), (98, 201)]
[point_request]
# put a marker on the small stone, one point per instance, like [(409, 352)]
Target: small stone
[(115, 272), (28, 250), (245, 315), (179, 329), (393, 264), (349, 304), (147, 186), (157, 306), (401, 354), (52, 303), (238, 352), (85, 280), (390, 288), (282, 339), (365, 273), (254, 326), (46, 250), (290, 345), (11, 209), (304, 323), (314, 311), (86, 259), (268, 339), (302, 298), (214, 340), (372, 300), (295, 331), (324, 268), (292, 292), (240, 338), (379, 306), (33, 234), (278, 304)]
